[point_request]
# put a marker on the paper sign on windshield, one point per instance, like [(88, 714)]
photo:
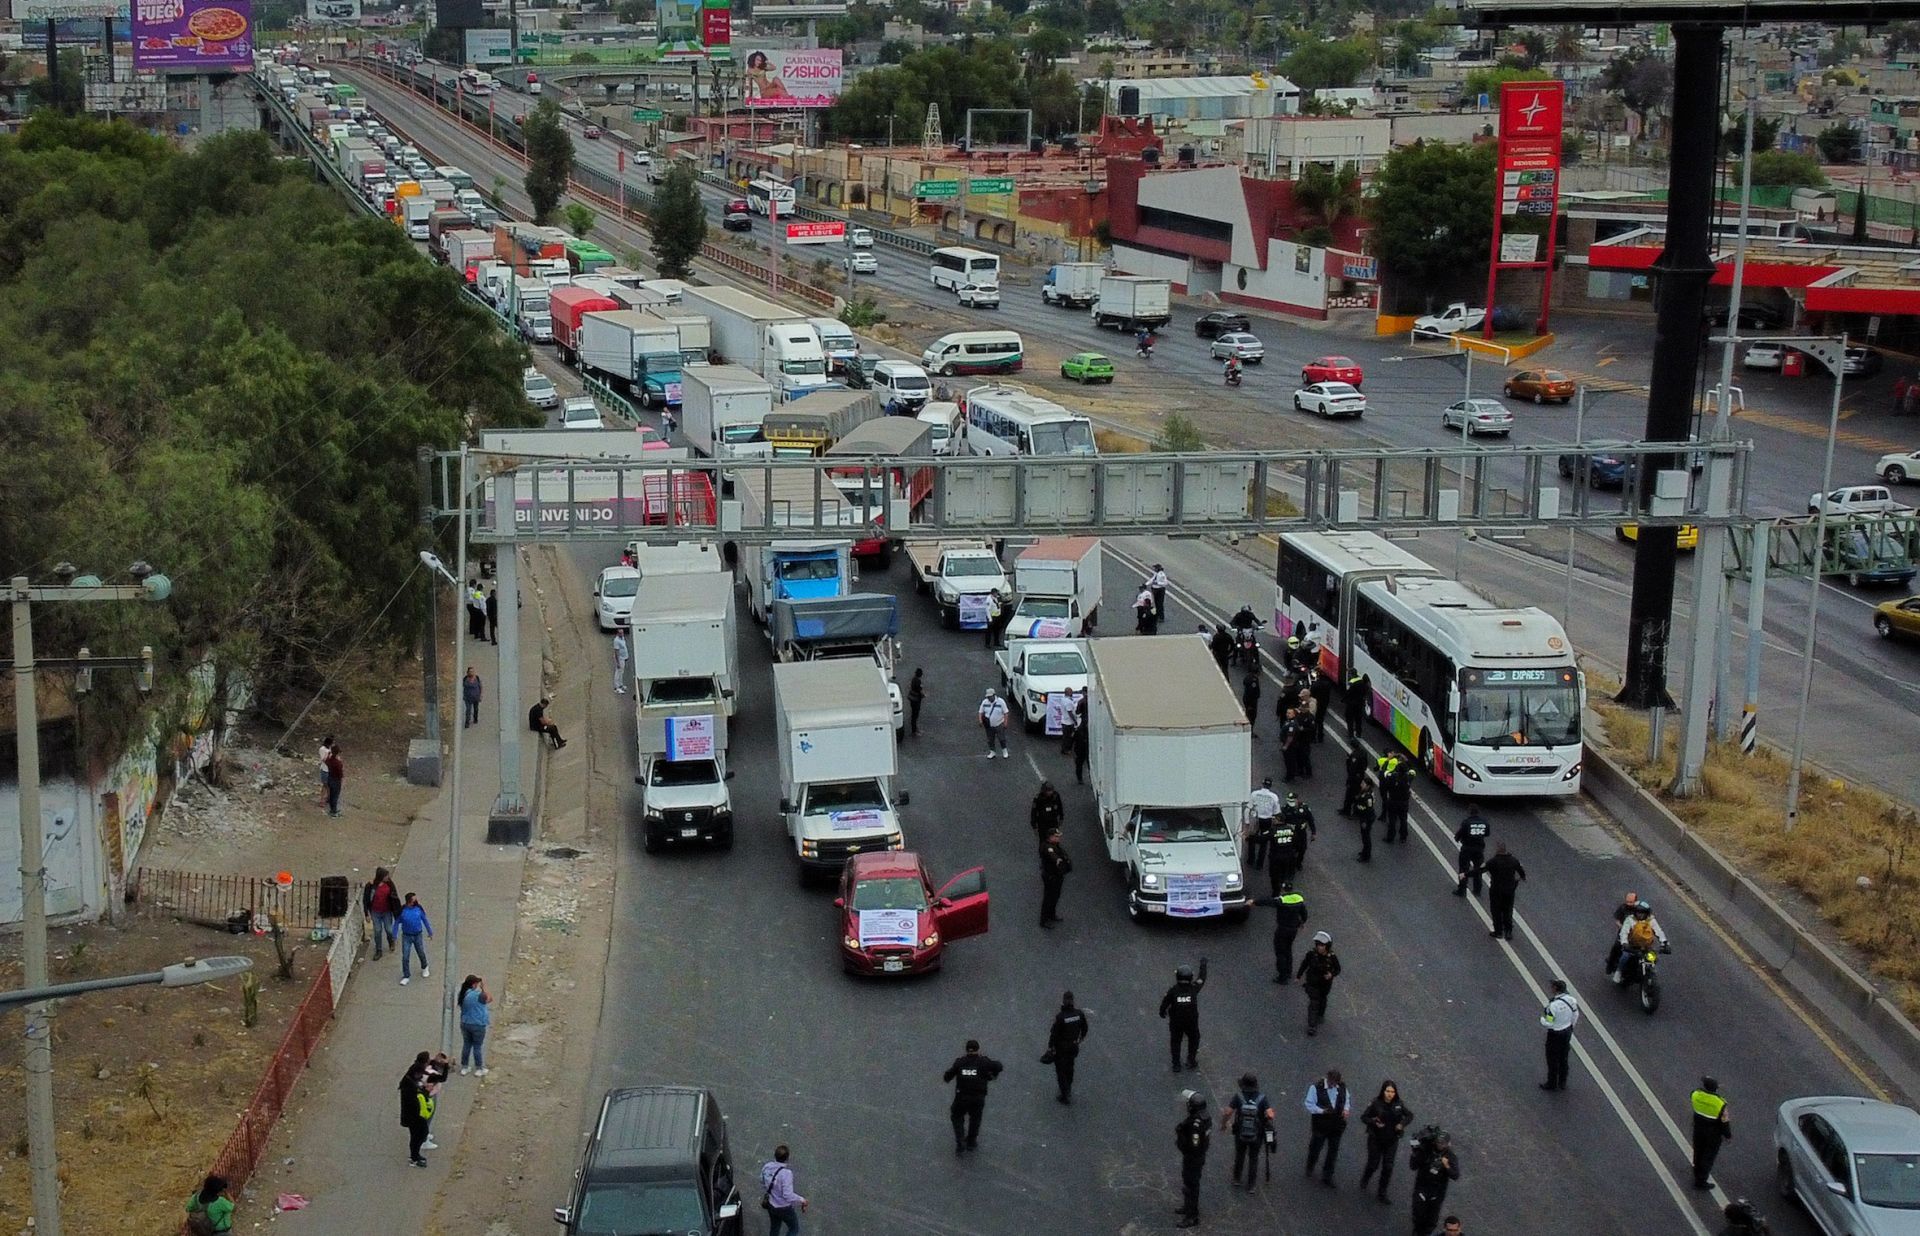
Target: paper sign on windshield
[(1059, 708), (887, 927), (690, 738), (1048, 628), (1193, 896), (862, 821)]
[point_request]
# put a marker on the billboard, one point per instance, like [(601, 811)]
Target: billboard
[(86, 30), (489, 47), (779, 10), (43, 11), (793, 77), (693, 29), (192, 36), (458, 14), (831, 232)]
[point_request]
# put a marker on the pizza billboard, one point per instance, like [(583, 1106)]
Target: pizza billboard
[(793, 77), (192, 36)]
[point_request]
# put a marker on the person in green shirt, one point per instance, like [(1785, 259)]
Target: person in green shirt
[(210, 1211)]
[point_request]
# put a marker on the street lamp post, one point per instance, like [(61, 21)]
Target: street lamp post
[(450, 917), (1833, 354), (38, 1061), (183, 974)]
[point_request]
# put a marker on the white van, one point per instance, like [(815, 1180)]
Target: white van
[(903, 382), (974, 351), (947, 425)]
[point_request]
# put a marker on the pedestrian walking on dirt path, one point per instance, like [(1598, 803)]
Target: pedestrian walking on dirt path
[(381, 902), (475, 1017), (470, 692), (336, 779)]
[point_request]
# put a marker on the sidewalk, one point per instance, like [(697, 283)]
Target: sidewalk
[(340, 1143)]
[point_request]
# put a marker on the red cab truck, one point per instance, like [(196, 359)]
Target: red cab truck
[(569, 304)]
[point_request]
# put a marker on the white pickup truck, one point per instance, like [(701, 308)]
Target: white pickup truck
[(955, 570), (1035, 670), (1452, 320)]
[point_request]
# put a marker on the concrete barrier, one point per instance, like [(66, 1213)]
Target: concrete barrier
[(1819, 974)]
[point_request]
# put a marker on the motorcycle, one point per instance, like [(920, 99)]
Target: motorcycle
[(1246, 647), (1233, 377), (1639, 966), (1143, 346)]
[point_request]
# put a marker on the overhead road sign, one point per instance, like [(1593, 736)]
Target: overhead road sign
[(936, 189), (981, 186)]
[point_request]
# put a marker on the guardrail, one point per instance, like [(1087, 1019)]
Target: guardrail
[(602, 393)]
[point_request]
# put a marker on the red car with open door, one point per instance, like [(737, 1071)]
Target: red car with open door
[(893, 919), (1331, 369)]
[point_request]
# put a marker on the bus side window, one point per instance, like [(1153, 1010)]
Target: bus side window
[(1026, 443)]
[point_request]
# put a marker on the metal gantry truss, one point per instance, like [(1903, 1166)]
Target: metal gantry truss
[(668, 497)]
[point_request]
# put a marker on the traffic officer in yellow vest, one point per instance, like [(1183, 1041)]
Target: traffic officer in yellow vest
[(1711, 1127)]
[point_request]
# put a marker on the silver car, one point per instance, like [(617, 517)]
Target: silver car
[(1478, 417), (1853, 1163), (1238, 343)]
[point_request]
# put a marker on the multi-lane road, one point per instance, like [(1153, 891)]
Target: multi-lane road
[(723, 969), (1865, 692)]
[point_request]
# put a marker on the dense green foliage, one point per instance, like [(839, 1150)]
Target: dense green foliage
[(1328, 65), (549, 159), (209, 365), (678, 222), (1432, 213), (989, 73), (1782, 167)]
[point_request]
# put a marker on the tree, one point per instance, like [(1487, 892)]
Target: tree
[(633, 12), (1533, 47), (549, 158), (1784, 167), (1838, 143), (1044, 47), (72, 83), (1326, 195), (1489, 81), (1432, 215), (1179, 434), (1327, 65), (679, 223), (580, 218), (1766, 131), (1643, 81), (1568, 46)]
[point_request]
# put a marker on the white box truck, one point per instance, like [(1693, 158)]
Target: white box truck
[(685, 645), (1073, 284), (1057, 582), (1128, 302), (775, 342), (635, 352), (696, 334), (723, 413), (837, 762), (1172, 760)]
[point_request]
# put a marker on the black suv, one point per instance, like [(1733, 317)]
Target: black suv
[(1214, 325), (657, 1162)]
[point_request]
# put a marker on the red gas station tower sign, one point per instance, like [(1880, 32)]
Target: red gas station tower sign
[(1526, 186)]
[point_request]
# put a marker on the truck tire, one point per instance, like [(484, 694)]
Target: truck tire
[(649, 842)]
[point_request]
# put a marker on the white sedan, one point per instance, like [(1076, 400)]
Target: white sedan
[(1330, 399), (1897, 469), (977, 295), (1478, 417), (1764, 356), (863, 263), (1238, 343)]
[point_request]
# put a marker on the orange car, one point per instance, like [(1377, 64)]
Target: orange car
[(1540, 385)]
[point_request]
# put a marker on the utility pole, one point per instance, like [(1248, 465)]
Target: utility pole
[(1683, 270), (42, 1158)]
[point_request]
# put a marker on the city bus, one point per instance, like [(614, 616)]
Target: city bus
[(770, 197), (1485, 698), (1006, 420), (955, 266)]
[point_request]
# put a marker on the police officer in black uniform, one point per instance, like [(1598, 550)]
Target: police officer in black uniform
[(1363, 815), (1063, 1042), (1298, 816), (1047, 812), (1396, 792), (1181, 1007), (1320, 687), (1290, 916), (970, 1075), (1359, 690), (1054, 866), (1357, 765), (1192, 1137), (1472, 839)]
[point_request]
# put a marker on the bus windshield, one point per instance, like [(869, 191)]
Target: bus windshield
[(1543, 714), (1063, 438)]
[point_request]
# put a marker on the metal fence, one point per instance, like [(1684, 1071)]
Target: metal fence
[(248, 1142), (242, 901)]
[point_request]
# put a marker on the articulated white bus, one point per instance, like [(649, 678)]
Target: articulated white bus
[(1487, 699)]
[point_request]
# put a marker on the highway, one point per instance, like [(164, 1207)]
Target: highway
[(722, 969), (1865, 692)]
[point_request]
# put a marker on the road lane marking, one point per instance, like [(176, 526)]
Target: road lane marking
[(1681, 1200)]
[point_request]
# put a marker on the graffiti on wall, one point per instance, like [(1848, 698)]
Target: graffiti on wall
[(130, 794)]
